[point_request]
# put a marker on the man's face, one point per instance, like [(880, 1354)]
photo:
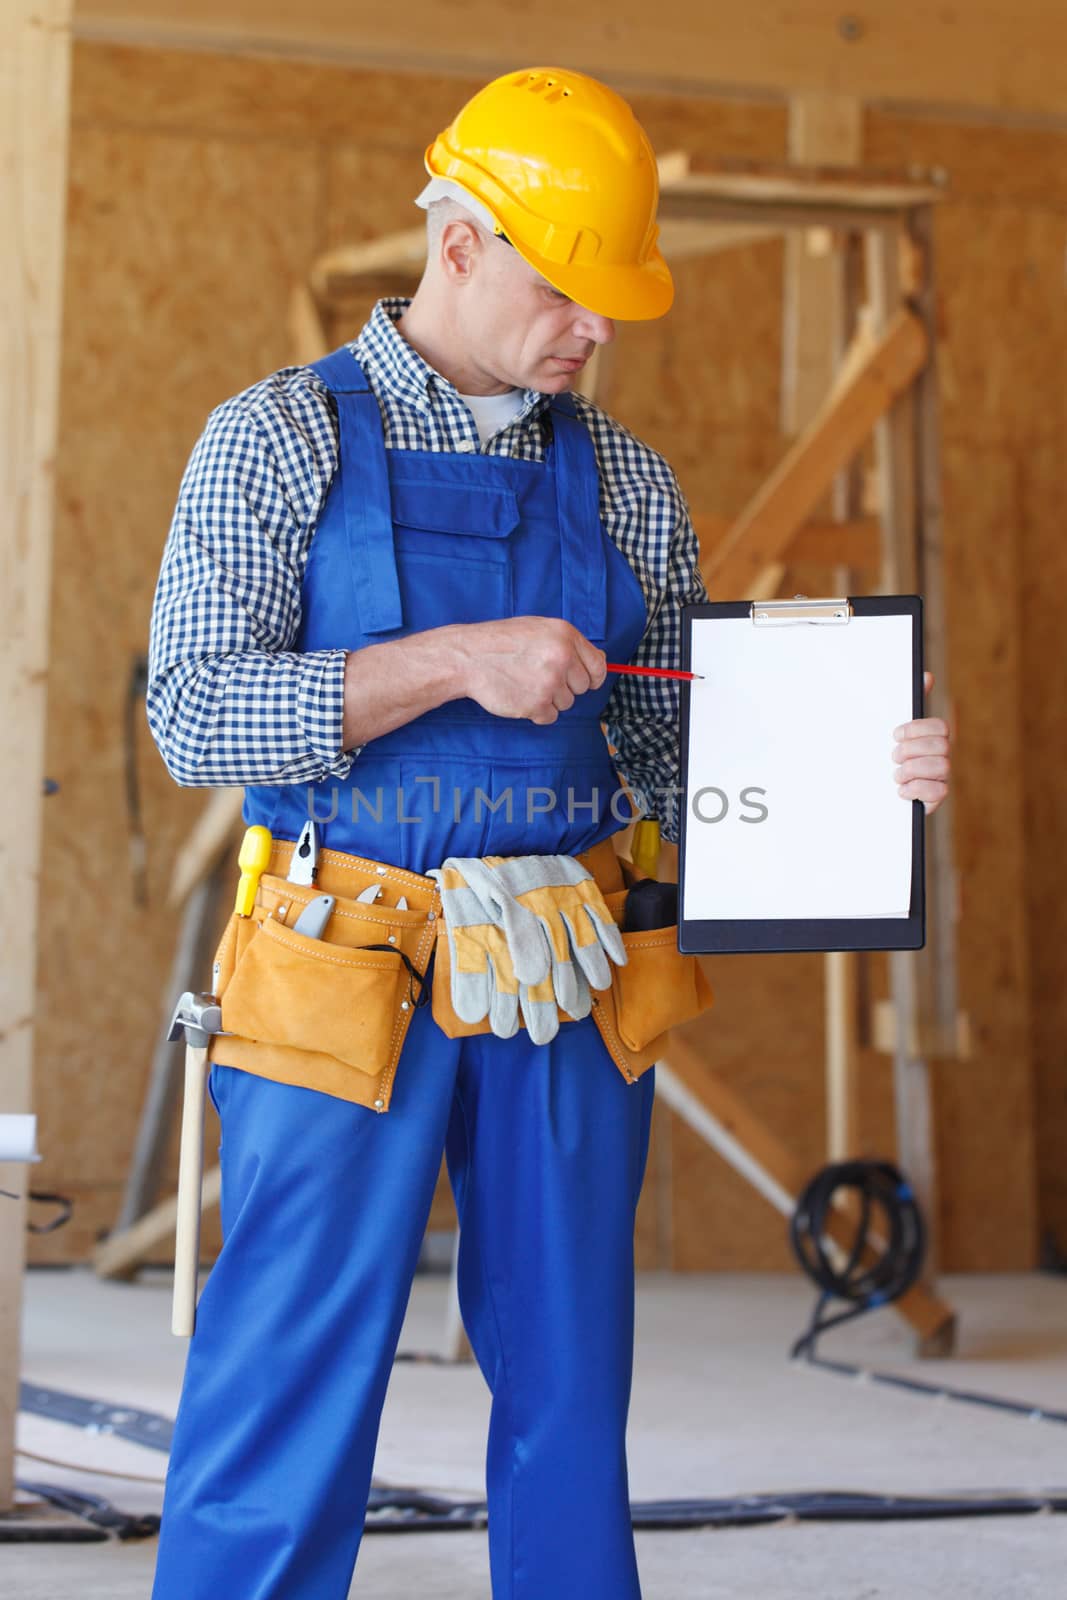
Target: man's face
[(518, 330)]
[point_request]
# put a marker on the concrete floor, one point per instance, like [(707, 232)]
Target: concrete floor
[(717, 1409)]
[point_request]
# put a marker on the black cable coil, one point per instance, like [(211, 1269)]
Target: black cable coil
[(875, 1268)]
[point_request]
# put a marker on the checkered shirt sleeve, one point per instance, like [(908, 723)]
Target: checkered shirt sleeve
[(230, 701)]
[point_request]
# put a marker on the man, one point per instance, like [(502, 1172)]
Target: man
[(402, 573)]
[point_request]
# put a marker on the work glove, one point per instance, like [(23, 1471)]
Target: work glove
[(537, 1002), (554, 919), (483, 978)]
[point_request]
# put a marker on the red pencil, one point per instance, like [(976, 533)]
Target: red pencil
[(653, 672)]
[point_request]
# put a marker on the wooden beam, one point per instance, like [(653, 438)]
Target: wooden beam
[(196, 857), (762, 1158), (954, 1044), (1008, 59), (847, 972), (939, 972), (34, 118), (893, 432), (821, 128), (793, 200), (829, 188), (753, 553), (122, 1253), (841, 1013), (818, 543), (684, 238), (392, 252), (820, 324)]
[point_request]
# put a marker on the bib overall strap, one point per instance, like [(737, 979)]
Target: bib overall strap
[(365, 485), (577, 491)]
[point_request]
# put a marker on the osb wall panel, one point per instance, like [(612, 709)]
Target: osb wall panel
[(200, 187)]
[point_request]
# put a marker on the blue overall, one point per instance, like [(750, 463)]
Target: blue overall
[(324, 1203)]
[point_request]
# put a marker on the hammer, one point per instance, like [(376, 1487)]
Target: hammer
[(196, 1017)]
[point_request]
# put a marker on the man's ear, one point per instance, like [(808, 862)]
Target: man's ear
[(460, 249)]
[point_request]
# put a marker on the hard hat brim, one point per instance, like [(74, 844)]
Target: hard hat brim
[(623, 293)]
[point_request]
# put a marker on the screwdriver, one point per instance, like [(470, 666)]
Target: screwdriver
[(253, 860)]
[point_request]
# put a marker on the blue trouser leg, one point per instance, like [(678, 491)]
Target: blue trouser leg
[(546, 1152), (324, 1206)]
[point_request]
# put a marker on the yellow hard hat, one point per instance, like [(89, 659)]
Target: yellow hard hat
[(568, 173)]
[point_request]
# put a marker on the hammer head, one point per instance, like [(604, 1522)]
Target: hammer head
[(196, 1018)]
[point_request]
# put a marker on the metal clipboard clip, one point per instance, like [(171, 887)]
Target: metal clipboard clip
[(786, 613)]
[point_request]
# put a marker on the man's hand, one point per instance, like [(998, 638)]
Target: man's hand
[(533, 667), (530, 667), (921, 756)]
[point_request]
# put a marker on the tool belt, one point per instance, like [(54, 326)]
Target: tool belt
[(332, 1014)]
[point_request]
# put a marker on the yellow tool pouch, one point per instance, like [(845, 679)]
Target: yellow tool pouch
[(326, 1014), (658, 988)]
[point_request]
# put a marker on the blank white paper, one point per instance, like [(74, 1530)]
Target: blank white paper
[(793, 809)]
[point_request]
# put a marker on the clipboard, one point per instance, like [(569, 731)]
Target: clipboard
[(741, 865)]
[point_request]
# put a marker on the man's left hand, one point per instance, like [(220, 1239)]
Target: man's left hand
[(920, 756)]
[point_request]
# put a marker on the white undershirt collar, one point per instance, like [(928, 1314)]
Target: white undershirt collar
[(491, 412)]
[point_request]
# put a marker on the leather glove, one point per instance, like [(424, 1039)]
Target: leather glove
[(537, 1002), (483, 978), (554, 919)]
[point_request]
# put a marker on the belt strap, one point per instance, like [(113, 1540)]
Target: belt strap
[(337, 870)]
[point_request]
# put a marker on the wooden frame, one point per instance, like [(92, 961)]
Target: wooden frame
[(34, 117)]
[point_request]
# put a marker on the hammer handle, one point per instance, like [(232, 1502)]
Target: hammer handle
[(190, 1181)]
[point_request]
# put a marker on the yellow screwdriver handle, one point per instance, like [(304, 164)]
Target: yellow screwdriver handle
[(253, 860), (645, 846)]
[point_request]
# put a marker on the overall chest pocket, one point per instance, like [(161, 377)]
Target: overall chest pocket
[(453, 552)]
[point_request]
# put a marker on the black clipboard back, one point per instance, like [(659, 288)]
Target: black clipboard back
[(714, 936)]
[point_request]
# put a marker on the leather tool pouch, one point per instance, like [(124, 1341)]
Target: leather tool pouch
[(329, 1014), (658, 989)]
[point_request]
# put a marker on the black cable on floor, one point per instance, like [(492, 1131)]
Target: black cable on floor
[(878, 1266), (413, 1511), (940, 1391), (875, 1268), (103, 1519)]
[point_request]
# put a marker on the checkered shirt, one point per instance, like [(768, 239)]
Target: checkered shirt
[(230, 701)]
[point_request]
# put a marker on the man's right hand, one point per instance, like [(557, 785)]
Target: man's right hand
[(530, 667), (533, 667)]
